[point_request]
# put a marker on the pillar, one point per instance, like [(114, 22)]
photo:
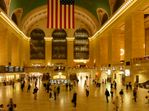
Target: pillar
[(134, 36), (134, 40), (3, 46), (103, 50), (117, 45), (48, 50), (70, 51)]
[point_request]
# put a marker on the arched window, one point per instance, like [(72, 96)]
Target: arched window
[(14, 18), (59, 44), (81, 44), (3, 6), (102, 16), (37, 44), (115, 4)]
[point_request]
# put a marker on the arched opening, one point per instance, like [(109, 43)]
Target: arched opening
[(59, 44), (3, 6), (102, 16), (37, 44), (81, 44), (14, 18), (115, 4)]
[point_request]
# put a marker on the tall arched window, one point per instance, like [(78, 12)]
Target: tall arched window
[(102, 16), (59, 44), (14, 18), (115, 4), (81, 44), (3, 6), (37, 44)]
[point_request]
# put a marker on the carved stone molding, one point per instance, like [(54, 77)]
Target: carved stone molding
[(90, 22)]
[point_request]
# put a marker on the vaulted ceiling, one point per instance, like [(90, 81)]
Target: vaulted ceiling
[(90, 5), (89, 14), (32, 13)]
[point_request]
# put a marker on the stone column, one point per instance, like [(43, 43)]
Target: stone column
[(117, 44), (3, 46), (26, 54), (134, 36), (110, 48), (70, 51), (134, 39), (15, 52), (103, 50), (92, 48), (147, 41), (21, 51), (48, 50)]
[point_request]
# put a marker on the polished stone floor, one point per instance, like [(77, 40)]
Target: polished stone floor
[(95, 102)]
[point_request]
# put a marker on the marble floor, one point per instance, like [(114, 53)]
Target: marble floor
[(95, 102)]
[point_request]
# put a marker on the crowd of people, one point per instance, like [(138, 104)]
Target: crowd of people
[(116, 94), (10, 106), (119, 97)]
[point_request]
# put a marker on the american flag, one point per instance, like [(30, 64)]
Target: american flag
[(60, 14)]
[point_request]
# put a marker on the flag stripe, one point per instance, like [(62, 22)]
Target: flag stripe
[(56, 14), (48, 14), (64, 13), (60, 14), (51, 13), (67, 20), (73, 20), (68, 16)]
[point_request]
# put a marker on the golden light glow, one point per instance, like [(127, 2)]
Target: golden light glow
[(70, 38), (122, 52), (59, 76), (48, 38), (80, 60), (12, 25), (119, 12)]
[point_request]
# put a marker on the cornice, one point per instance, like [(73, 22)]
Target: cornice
[(41, 13)]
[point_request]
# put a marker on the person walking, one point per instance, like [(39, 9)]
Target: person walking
[(2, 107), (87, 91), (116, 103), (50, 94), (107, 94), (147, 98), (115, 85), (58, 89), (22, 85), (11, 105), (121, 95), (135, 94), (35, 92), (29, 87), (55, 91), (74, 98), (112, 93)]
